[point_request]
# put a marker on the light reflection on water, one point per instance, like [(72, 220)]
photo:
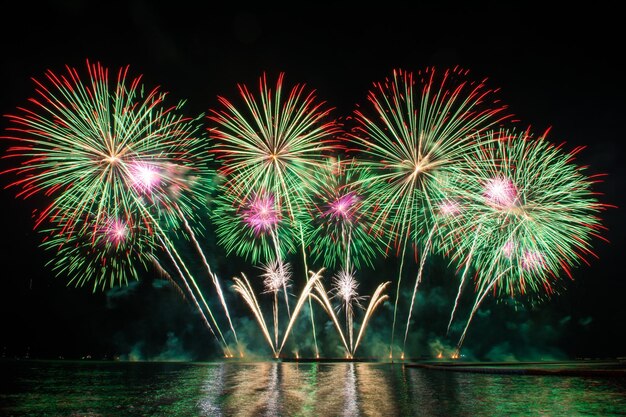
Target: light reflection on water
[(64, 388)]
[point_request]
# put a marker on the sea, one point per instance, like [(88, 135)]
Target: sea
[(275, 388)]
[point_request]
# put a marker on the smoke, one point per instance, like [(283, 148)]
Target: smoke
[(172, 350), (156, 323)]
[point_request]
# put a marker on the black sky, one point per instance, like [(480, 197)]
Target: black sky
[(556, 68)]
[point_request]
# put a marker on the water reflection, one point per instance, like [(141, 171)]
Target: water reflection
[(212, 389), (294, 389), (375, 383)]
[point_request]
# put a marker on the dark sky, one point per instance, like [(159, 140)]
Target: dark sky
[(556, 68)]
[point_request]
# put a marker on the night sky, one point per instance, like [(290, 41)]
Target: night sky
[(556, 69)]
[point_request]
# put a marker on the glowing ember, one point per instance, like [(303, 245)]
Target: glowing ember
[(449, 208), (276, 275), (508, 248)]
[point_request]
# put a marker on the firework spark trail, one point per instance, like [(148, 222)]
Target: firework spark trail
[(282, 272), (275, 314), (315, 277), (177, 261), (167, 275), (243, 287), (322, 297), (191, 293), (306, 268), (375, 301), (465, 269), (477, 303), (218, 287), (395, 303), (418, 279)]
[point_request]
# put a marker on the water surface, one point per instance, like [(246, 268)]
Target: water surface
[(86, 388)]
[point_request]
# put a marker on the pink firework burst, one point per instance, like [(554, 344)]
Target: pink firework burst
[(508, 248), (144, 176), (500, 192), (532, 260), (261, 214), (116, 231), (343, 207), (449, 208)]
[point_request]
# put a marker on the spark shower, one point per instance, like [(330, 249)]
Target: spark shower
[(431, 163)]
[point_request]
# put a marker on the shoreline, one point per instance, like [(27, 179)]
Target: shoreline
[(595, 368)]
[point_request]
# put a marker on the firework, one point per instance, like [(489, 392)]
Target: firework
[(273, 142), (276, 276), (252, 226), (111, 253), (342, 230), (243, 287), (345, 288), (532, 216), (116, 164), (92, 146), (422, 125)]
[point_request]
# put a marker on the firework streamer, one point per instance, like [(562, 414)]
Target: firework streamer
[(422, 125), (479, 300), (242, 286), (322, 298), (214, 278), (377, 299), (466, 266), (417, 282), (304, 295)]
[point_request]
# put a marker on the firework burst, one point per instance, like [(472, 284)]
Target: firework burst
[(116, 164), (252, 226), (422, 125), (272, 141), (532, 215), (342, 230), (96, 146)]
